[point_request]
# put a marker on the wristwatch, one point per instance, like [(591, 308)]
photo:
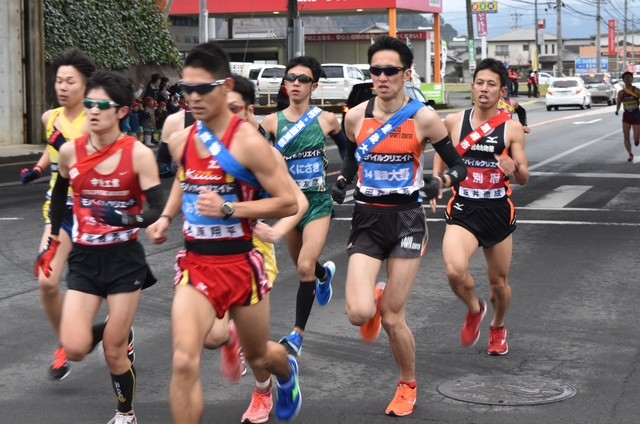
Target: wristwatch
[(227, 209)]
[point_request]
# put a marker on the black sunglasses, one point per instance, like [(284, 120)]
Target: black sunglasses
[(387, 70), (102, 104), (302, 78), (201, 89)]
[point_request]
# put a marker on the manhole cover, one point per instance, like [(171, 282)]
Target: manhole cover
[(507, 389)]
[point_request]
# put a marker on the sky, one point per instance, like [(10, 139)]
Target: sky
[(578, 16)]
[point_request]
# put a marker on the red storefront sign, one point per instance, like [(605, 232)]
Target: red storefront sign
[(363, 36), (217, 7), (612, 37)]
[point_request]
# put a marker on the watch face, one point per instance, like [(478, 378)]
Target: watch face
[(227, 208)]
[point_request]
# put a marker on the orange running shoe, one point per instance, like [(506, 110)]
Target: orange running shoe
[(403, 401), (497, 341), (370, 330), (60, 367), (258, 411), (230, 360), (471, 329)]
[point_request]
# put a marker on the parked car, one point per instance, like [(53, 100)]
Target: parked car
[(569, 91), (267, 81), (544, 78), (337, 81), (599, 85), (366, 91), (364, 67)]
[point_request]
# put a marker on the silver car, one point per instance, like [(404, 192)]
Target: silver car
[(599, 85)]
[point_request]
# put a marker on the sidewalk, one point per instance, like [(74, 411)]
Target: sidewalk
[(21, 153)]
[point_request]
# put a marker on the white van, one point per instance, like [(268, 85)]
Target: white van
[(267, 79), (337, 81)]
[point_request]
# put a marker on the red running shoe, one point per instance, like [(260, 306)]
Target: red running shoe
[(230, 360), (471, 329), (497, 341), (370, 330)]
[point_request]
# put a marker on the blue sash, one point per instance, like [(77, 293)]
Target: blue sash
[(228, 163), (387, 128), (309, 116)]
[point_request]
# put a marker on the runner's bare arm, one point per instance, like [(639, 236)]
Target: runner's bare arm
[(516, 151), (145, 166), (176, 143), (270, 125)]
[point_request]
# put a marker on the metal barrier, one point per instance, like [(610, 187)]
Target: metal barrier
[(269, 97)]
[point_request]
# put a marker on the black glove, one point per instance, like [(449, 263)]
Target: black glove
[(109, 215), (431, 186), (27, 175), (339, 191)]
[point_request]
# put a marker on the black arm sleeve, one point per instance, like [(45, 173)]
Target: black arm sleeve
[(58, 204), (349, 167), (457, 169), (163, 158), (155, 200), (522, 115), (341, 141)]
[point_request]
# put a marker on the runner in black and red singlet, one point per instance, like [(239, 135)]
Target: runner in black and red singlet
[(480, 212)]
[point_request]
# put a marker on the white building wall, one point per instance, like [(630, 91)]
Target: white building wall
[(12, 129), (518, 56)]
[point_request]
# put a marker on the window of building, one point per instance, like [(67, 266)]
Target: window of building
[(553, 49), (546, 49), (502, 50), (525, 47)]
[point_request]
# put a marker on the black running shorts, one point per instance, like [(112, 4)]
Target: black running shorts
[(105, 270), (489, 223), (388, 231)]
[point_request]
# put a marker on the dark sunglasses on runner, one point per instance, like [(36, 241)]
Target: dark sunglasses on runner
[(302, 78), (202, 88), (387, 70), (102, 104)]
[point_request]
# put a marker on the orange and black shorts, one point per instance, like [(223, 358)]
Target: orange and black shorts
[(226, 280)]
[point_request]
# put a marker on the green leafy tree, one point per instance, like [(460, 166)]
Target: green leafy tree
[(116, 34)]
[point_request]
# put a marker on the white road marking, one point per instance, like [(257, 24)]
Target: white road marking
[(542, 222), (559, 197), (588, 122), (10, 219)]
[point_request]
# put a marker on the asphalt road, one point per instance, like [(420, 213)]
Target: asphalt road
[(573, 316)]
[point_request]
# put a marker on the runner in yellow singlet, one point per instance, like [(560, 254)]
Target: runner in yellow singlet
[(73, 68)]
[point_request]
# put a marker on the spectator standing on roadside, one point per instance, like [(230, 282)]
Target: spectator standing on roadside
[(509, 82), (139, 91), (153, 87), (161, 116), (530, 84), (516, 81), (133, 119), (536, 93), (283, 97), (148, 120)]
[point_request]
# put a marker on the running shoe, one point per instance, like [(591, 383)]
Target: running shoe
[(370, 330), (61, 366), (258, 411), (497, 341), (230, 360), (471, 329), (288, 396), (636, 142), (122, 418), (630, 157), (403, 401), (293, 343), (323, 288), (131, 353)]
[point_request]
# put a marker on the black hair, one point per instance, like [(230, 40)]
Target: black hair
[(308, 62), (210, 57), (493, 65), (154, 78), (116, 86), (386, 42), (76, 58), (626, 73), (245, 88)]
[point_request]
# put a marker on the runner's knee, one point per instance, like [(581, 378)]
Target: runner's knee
[(358, 315), (48, 286), (185, 363)]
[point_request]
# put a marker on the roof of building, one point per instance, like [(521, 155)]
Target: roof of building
[(522, 34)]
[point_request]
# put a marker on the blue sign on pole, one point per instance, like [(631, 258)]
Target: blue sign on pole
[(588, 64)]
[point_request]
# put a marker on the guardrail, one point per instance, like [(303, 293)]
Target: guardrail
[(269, 98)]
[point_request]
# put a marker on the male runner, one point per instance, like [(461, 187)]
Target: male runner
[(300, 133), (512, 106), (72, 68), (109, 173), (480, 212), (220, 270), (629, 99), (391, 132)]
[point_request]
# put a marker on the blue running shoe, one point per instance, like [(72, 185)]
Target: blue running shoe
[(323, 288), (288, 396), (293, 343)]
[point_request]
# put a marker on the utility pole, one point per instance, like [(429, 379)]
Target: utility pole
[(203, 32), (517, 17), (598, 41), (624, 42), (469, 20), (559, 45), (295, 34), (535, 26)]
